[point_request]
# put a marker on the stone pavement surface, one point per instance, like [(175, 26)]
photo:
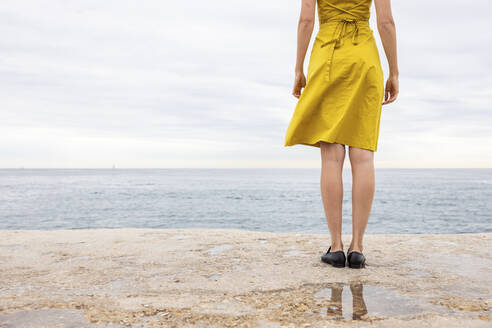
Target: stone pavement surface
[(238, 278)]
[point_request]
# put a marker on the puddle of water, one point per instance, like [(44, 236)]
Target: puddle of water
[(75, 258), (219, 249), (59, 318), (226, 307), (358, 302), (81, 258), (117, 284), (179, 237), (163, 276), (11, 247), (294, 253), (466, 265), (51, 254), (475, 270), (420, 273), (214, 276)]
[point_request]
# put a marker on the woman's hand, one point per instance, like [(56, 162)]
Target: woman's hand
[(299, 84), (391, 90)]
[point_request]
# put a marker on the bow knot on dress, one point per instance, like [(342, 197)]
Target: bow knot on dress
[(338, 40)]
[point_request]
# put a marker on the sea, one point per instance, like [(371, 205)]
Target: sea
[(417, 201)]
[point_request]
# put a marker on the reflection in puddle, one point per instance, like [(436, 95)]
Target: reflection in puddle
[(365, 300), (334, 307)]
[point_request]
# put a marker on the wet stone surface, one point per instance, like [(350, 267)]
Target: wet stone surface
[(358, 302), (236, 278), (59, 318)]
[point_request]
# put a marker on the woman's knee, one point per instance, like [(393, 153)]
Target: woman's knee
[(360, 155), (332, 151)]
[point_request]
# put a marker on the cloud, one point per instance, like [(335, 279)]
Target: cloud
[(196, 84)]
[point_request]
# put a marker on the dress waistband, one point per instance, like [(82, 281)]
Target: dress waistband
[(341, 28), (349, 20)]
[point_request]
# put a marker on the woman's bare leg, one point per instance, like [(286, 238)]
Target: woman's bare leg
[(332, 157), (362, 162)]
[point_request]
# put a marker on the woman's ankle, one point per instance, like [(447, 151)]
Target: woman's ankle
[(336, 246), (355, 247)]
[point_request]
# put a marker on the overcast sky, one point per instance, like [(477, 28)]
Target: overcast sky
[(208, 84)]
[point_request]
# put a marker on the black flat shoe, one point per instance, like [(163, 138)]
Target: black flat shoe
[(337, 259), (356, 260)]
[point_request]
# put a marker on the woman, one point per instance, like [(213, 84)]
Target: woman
[(341, 105)]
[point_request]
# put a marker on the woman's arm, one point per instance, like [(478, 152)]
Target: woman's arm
[(304, 32), (387, 31)]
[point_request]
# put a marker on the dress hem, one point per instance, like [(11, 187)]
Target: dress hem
[(317, 144)]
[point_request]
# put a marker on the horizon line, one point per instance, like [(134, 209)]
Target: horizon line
[(227, 168)]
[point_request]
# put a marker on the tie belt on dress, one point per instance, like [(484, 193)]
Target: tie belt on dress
[(337, 40)]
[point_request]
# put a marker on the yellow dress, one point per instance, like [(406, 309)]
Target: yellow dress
[(344, 90)]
